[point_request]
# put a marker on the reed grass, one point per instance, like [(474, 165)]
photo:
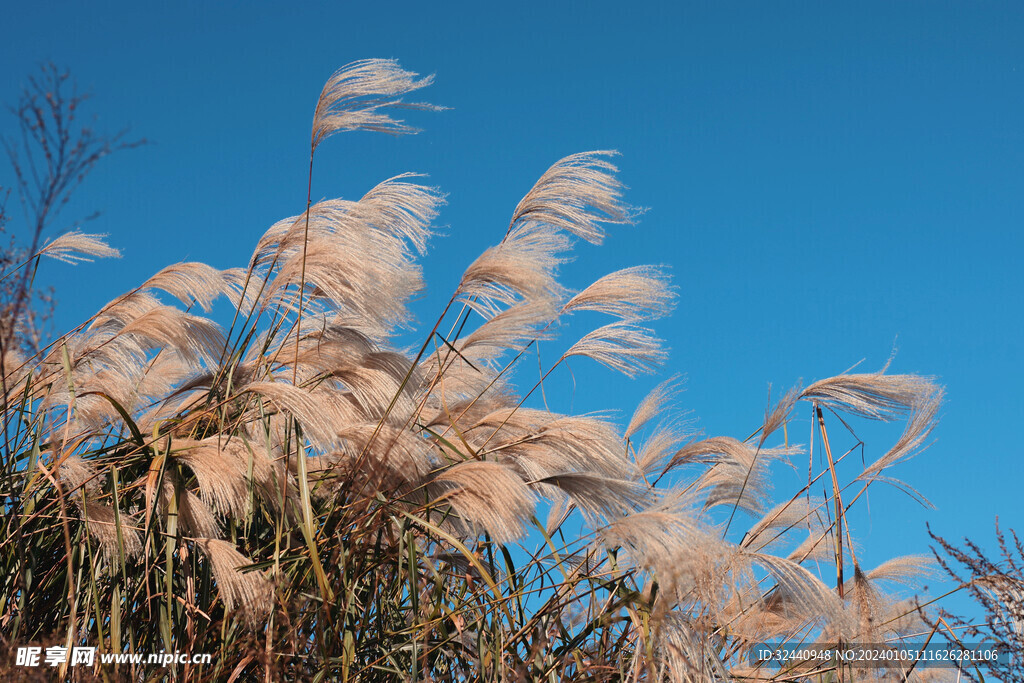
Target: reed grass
[(298, 496)]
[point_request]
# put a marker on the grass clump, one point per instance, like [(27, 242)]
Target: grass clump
[(294, 494)]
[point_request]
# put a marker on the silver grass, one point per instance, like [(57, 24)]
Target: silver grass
[(356, 96), (400, 455), (402, 209), (739, 475), (79, 474), (908, 570), (816, 547), (875, 396), (623, 347), (632, 294), (377, 381), (192, 282), (777, 416), (83, 482), (486, 495), (576, 194), (911, 442), (195, 517), (222, 467), (671, 543), (456, 379), (92, 409), (193, 337), (657, 448), (865, 605), (523, 265), (542, 444), (601, 499), (689, 653), (779, 523), (513, 329), (101, 522), (123, 310), (653, 404), (318, 425), (163, 374), (13, 368), (799, 593), (249, 592), (734, 485), (714, 449), (75, 246), (361, 276), (395, 213)]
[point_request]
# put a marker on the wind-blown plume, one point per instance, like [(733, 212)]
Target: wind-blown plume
[(101, 520), (512, 329), (75, 247), (523, 265), (356, 95), (250, 592), (632, 294), (486, 495), (652, 404), (910, 443), (188, 282), (875, 396), (576, 194), (623, 347), (777, 416)]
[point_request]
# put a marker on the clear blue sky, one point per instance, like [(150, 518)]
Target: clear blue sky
[(825, 180)]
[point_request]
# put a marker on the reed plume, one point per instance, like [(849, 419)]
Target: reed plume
[(366, 512)]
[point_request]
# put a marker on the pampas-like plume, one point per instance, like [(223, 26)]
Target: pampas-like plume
[(652, 404), (523, 265), (669, 542), (632, 294), (576, 194), (658, 447), (739, 475), (363, 275), (100, 520), (193, 337), (623, 347), (195, 517), (511, 329), (486, 495), (355, 96), (875, 396), (79, 474), (918, 428), (222, 468), (601, 497), (871, 609), (318, 423), (190, 282), (402, 209), (712, 450), (75, 247), (539, 444), (799, 594), (777, 416), (250, 592), (796, 514)]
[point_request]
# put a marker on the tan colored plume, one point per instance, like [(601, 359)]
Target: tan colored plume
[(356, 96)]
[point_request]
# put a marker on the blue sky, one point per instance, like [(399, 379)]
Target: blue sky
[(825, 182)]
